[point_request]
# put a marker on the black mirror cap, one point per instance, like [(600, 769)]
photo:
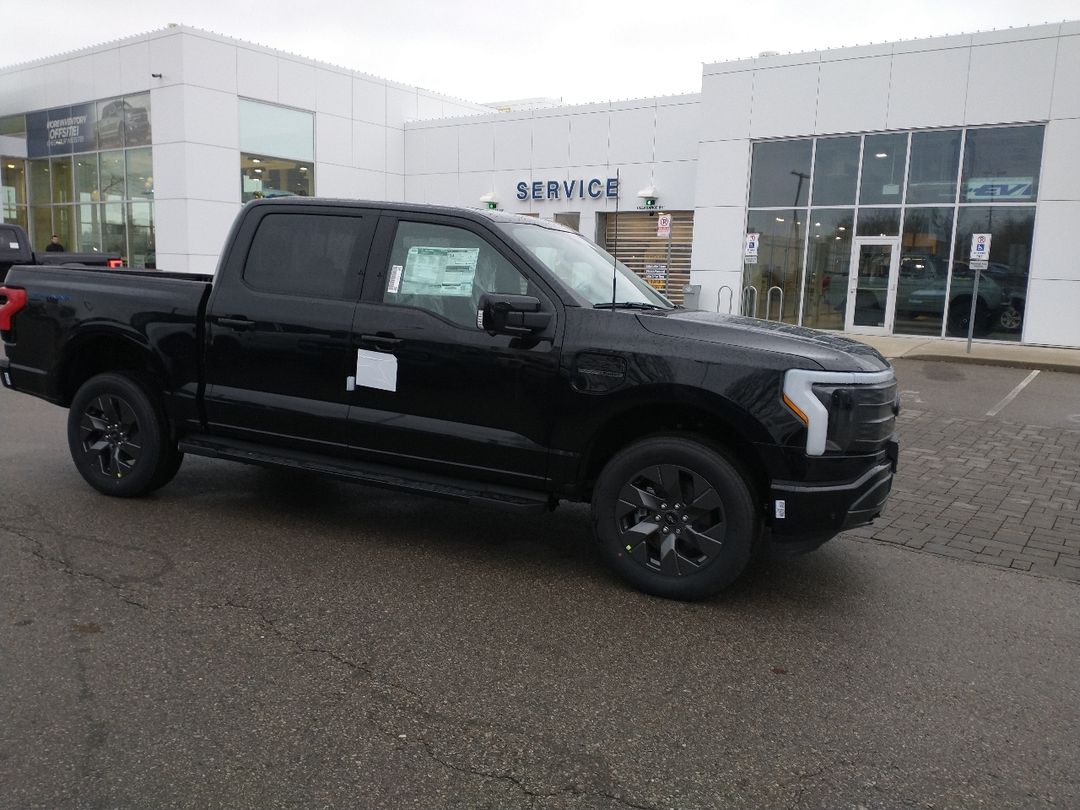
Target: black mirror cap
[(507, 314)]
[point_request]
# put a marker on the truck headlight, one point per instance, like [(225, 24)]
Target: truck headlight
[(843, 411)]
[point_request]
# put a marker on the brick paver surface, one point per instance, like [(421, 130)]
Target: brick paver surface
[(988, 491)]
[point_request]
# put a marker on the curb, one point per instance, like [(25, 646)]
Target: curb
[(1041, 365)]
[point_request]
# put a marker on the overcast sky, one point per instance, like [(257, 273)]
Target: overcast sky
[(492, 51)]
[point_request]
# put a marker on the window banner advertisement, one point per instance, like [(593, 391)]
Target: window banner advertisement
[(60, 131)]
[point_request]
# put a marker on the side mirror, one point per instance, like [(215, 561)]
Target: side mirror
[(505, 314)]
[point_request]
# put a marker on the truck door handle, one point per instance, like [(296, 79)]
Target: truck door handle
[(381, 341), (236, 323)]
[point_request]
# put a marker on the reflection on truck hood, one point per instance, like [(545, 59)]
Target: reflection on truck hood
[(830, 351)]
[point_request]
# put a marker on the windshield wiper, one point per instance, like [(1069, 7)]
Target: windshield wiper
[(627, 305)]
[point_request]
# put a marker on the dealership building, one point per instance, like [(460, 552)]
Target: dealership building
[(884, 189)]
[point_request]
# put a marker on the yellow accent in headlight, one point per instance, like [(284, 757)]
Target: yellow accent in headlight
[(795, 409)]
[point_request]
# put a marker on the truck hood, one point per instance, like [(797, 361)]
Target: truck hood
[(830, 351)]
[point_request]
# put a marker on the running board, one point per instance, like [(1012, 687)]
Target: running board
[(375, 475)]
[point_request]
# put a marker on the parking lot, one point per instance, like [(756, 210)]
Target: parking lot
[(247, 638)]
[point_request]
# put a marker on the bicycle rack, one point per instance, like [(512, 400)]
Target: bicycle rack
[(731, 297), (746, 298), (768, 303)]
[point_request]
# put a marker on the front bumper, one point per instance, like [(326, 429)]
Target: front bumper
[(808, 514)]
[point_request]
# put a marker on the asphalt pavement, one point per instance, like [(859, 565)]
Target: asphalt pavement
[(246, 638)]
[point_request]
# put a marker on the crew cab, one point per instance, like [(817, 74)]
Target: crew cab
[(472, 355)]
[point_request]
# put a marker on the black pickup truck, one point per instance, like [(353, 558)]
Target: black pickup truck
[(471, 355), (15, 249)]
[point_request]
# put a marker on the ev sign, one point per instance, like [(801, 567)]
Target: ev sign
[(663, 225), (750, 251), (979, 258)]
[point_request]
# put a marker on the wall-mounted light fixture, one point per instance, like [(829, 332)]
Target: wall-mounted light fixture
[(490, 201)]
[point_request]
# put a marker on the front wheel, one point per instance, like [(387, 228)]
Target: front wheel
[(674, 518), (119, 438)]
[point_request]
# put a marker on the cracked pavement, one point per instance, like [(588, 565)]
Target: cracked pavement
[(247, 638)]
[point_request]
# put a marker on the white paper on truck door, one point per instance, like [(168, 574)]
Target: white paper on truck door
[(376, 370), (440, 271)]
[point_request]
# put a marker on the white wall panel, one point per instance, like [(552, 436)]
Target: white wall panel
[(428, 106), (370, 186), (209, 63), (439, 150), (167, 114), (1050, 314), (171, 170), (54, 81), (1010, 82), (853, 95), (167, 58), (1066, 100), (726, 101), (632, 135), (257, 75), (106, 74), (213, 173), (474, 185), (205, 264), (369, 146), (395, 151), (369, 101), (1055, 231), (1060, 178), (441, 189), (711, 282), (723, 251), (170, 228), (333, 180), (208, 225), (678, 130), (589, 138), (296, 84), (476, 147), (395, 188), (333, 139), (513, 143), (414, 188), (723, 169), (333, 93), (174, 262), (401, 106), (785, 101), (676, 182), (929, 89), (550, 142), (134, 67), (211, 117), (80, 78)]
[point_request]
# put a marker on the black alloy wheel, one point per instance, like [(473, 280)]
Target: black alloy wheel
[(675, 517), (119, 436), (670, 519), (111, 435)]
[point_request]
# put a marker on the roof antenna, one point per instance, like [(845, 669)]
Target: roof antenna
[(615, 246)]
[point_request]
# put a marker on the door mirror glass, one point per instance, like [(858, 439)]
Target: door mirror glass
[(503, 314)]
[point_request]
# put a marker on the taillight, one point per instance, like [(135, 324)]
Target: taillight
[(112, 263), (12, 299)]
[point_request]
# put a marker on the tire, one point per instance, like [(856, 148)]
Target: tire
[(119, 438), (960, 316), (674, 518)]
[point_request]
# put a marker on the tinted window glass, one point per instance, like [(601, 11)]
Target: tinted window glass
[(1002, 164), (780, 173), (267, 129), (828, 267), (935, 159), (779, 264), (924, 271), (443, 270), (878, 222), (884, 157), (836, 171), (305, 254)]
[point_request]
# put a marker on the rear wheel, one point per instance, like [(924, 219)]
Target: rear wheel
[(674, 518), (119, 438)]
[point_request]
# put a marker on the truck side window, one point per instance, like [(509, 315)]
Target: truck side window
[(443, 269), (308, 255)]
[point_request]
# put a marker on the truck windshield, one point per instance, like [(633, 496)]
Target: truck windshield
[(586, 268)]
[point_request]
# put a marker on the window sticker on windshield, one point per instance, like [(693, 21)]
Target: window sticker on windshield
[(394, 284), (13, 245), (440, 271)]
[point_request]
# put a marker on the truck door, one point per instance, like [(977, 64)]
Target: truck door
[(432, 390), (278, 345)]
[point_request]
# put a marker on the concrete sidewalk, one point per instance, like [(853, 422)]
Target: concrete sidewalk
[(987, 353)]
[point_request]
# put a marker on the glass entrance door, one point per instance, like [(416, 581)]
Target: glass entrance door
[(872, 287)]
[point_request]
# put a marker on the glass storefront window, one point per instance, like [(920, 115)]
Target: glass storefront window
[(89, 227), (1003, 285), (62, 180), (113, 238), (140, 174), (878, 222), (13, 181), (780, 261), (41, 218), (267, 129), (13, 126), (935, 161), (780, 173), (141, 234), (828, 267), (112, 175), (924, 271), (86, 178), (137, 120), (40, 188), (1002, 165), (884, 158), (263, 176), (64, 225), (836, 171), (110, 125)]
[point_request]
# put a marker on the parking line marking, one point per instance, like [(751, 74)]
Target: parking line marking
[(1013, 394)]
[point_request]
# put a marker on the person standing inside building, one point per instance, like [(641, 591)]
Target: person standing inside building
[(54, 245)]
